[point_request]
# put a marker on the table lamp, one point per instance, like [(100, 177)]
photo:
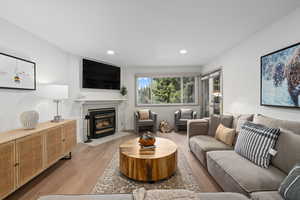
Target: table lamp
[(57, 93)]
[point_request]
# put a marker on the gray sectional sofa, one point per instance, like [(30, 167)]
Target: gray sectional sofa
[(233, 172)]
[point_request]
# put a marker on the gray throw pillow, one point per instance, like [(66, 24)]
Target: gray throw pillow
[(255, 141), (290, 187)]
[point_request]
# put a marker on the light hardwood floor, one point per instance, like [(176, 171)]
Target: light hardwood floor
[(79, 175)]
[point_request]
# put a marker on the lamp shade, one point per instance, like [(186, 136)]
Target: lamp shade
[(56, 92)]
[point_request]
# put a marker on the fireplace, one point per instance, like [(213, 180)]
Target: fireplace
[(102, 122)]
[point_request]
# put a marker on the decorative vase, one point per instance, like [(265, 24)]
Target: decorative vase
[(29, 119), (147, 139)]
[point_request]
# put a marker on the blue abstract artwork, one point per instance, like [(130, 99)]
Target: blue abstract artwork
[(280, 77)]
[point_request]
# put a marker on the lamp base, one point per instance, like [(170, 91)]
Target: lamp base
[(57, 118)]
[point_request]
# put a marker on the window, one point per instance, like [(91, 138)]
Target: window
[(158, 90)]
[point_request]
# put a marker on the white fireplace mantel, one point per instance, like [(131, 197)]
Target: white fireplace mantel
[(83, 101)]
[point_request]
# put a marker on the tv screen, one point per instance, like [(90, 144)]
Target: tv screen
[(100, 76)]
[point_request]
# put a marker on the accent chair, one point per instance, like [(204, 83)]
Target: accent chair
[(182, 116), (144, 120)]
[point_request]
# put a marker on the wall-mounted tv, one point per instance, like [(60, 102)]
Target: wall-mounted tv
[(98, 75)]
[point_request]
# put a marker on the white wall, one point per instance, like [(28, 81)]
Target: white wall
[(241, 68), (53, 66), (164, 112)]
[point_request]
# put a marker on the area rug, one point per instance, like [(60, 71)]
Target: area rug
[(112, 181)]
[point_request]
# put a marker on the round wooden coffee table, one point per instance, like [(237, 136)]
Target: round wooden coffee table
[(148, 166)]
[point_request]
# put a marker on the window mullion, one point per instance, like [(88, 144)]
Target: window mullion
[(181, 89)]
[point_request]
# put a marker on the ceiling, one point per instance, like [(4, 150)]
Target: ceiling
[(145, 32)]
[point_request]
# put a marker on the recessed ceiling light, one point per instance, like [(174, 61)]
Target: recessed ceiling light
[(110, 52), (183, 51)]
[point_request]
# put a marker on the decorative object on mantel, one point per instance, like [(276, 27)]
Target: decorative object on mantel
[(280, 78), (123, 91), (29, 119), (147, 141), (57, 93), (164, 127), (16, 73)]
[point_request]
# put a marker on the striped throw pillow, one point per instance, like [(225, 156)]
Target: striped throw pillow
[(255, 141), (290, 187)]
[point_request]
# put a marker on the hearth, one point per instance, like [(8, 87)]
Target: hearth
[(102, 122)]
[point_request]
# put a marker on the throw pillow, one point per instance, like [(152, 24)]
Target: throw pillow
[(186, 113), (225, 135), (144, 114), (290, 187), (255, 141)]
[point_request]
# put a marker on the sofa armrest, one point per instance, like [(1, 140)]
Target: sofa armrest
[(197, 127)]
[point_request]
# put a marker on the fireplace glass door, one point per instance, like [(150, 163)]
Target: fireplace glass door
[(102, 122)]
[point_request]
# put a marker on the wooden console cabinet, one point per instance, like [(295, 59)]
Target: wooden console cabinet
[(26, 153)]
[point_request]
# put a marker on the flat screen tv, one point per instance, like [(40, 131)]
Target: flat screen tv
[(98, 75)]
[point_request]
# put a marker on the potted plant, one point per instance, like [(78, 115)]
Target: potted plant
[(123, 91)]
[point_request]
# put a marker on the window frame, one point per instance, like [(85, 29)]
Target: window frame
[(181, 76)]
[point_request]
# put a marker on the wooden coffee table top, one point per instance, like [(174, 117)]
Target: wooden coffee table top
[(164, 147)]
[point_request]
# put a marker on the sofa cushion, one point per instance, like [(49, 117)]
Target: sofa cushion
[(221, 196), (89, 197), (293, 126), (273, 195), (202, 196), (240, 117), (255, 141), (201, 144), (235, 173), (225, 135), (288, 151), (290, 187), (215, 120)]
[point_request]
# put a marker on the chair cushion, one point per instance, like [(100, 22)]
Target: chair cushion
[(145, 122), (273, 195), (255, 141), (235, 173), (288, 151), (201, 144), (88, 197), (225, 135), (186, 114)]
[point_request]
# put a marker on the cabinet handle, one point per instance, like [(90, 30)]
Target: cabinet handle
[(64, 140), (16, 164)]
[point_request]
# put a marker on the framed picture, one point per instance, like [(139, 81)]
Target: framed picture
[(280, 78), (17, 73)]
